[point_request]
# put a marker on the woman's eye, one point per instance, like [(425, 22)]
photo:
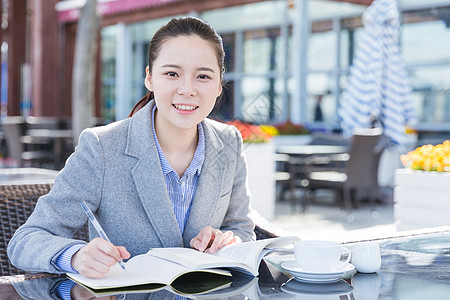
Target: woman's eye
[(171, 74), (203, 76)]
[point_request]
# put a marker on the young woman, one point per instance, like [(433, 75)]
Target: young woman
[(165, 177)]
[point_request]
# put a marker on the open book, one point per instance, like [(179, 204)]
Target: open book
[(171, 268)]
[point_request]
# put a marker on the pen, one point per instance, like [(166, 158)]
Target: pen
[(98, 227)]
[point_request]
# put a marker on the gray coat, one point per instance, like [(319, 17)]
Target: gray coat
[(116, 170)]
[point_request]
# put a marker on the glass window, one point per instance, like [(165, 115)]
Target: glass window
[(262, 51), (431, 87), (224, 105), (260, 14), (346, 37), (108, 68), (229, 47), (425, 42), (320, 103), (262, 101), (322, 51)]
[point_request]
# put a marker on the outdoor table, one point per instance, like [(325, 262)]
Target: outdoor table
[(59, 137), (20, 176), (307, 150), (415, 266), (298, 160)]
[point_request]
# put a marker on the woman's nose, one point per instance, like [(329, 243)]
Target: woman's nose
[(186, 88)]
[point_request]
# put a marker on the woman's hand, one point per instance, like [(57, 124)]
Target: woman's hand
[(96, 258), (213, 239), (80, 293)]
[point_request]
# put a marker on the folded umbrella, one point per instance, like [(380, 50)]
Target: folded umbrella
[(378, 93)]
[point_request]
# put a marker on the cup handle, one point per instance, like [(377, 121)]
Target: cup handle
[(349, 254)]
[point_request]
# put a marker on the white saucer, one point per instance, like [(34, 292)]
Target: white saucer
[(317, 277)]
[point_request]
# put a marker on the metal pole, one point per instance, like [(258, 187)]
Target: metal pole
[(301, 29), (238, 67), (285, 35), (123, 73)]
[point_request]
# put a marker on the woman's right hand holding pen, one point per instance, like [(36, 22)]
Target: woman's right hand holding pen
[(96, 258)]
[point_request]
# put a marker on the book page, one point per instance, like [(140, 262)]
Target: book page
[(194, 259), (141, 269), (252, 252)]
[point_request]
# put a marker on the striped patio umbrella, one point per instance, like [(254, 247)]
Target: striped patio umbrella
[(378, 94)]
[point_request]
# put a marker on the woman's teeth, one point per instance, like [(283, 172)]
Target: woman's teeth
[(185, 107)]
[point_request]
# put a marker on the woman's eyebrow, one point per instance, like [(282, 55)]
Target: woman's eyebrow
[(171, 66), (205, 69)]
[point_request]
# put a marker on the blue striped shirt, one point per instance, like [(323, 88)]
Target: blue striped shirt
[(181, 190)]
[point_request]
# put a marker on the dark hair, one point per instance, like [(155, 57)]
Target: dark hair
[(185, 26)]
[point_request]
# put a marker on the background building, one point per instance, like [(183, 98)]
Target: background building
[(282, 56)]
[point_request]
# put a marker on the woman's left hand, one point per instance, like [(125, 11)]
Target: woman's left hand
[(213, 239)]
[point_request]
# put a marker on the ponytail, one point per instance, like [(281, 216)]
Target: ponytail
[(141, 103)]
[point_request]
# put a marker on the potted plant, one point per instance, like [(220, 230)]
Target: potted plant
[(422, 188), (290, 133)]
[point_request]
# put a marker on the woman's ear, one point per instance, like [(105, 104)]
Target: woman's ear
[(220, 90), (148, 80)]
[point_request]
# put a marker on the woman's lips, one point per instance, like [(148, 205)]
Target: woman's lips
[(185, 107)]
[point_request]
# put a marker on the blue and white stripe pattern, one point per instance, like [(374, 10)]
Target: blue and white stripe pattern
[(378, 91), (181, 190)]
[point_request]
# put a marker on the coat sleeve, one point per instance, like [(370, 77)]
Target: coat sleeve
[(57, 216), (237, 218)]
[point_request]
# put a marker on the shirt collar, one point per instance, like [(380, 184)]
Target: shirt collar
[(199, 155)]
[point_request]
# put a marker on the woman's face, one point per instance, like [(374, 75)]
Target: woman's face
[(185, 80)]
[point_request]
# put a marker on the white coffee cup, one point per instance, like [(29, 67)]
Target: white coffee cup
[(366, 257), (319, 256)]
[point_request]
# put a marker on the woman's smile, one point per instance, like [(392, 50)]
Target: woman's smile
[(185, 107)]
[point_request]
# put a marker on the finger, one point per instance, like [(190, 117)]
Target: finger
[(92, 272), (235, 240), (218, 237), (123, 252), (100, 251), (206, 235), (100, 255), (196, 241), (109, 249), (227, 237), (88, 266)]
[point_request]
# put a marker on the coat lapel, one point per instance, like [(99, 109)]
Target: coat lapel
[(209, 185), (149, 179)]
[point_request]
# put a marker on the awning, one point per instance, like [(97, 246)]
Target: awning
[(69, 10)]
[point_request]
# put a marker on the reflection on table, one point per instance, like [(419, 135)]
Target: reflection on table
[(414, 267)]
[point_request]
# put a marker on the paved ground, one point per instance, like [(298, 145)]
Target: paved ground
[(323, 220)]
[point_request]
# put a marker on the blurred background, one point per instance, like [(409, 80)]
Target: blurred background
[(287, 54)]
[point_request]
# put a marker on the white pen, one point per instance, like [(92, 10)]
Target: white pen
[(97, 227)]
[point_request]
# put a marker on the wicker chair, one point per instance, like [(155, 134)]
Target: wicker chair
[(17, 202)]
